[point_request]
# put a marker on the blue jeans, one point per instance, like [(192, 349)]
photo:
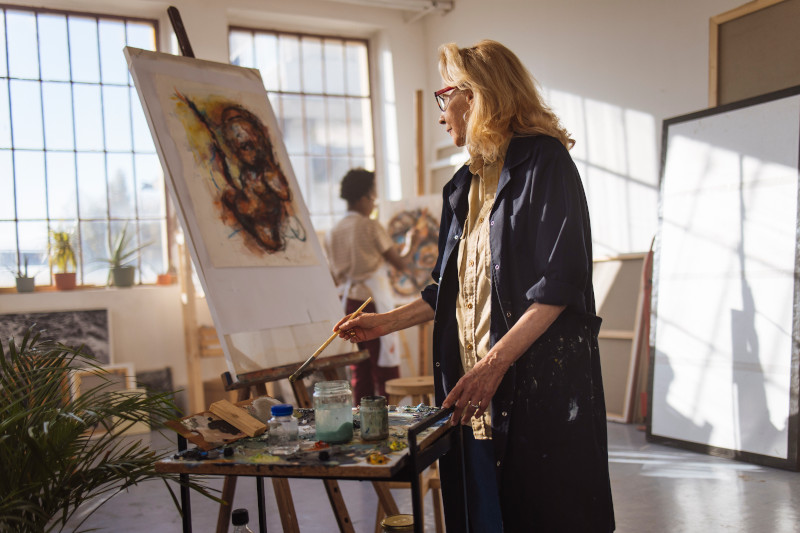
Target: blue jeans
[(483, 497)]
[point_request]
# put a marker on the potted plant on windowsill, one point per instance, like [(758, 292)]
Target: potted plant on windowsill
[(62, 255), (25, 283), (120, 255)]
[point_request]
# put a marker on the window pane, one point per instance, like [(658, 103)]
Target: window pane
[(117, 118), (113, 66), (290, 63), (6, 186), (3, 67), (266, 61), (92, 186), (94, 252), (29, 179), (360, 126), (121, 194), (142, 141), (334, 67), (57, 101), (8, 253), (337, 126), (315, 124), (312, 65), (357, 70), (241, 48), (292, 123), (85, 61), (61, 195), (151, 186), (26, 114), (319, 195), (152, 256), (23, 53), (33, 246), (54, 52), (5, 117), (88, 117), (141, 35), (299, 167)]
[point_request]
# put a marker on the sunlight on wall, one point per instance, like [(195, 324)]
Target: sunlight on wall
[(617, 156)]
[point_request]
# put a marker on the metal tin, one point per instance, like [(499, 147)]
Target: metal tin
[(374, 418), (398, 523)]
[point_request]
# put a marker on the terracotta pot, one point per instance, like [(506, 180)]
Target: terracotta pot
[(165, 279), (65, 281)]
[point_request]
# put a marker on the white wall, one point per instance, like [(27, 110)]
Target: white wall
[(612, 70)]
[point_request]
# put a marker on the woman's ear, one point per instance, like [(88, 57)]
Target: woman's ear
[(469, 96)]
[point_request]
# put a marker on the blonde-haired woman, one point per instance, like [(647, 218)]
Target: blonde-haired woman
[(515, 331)]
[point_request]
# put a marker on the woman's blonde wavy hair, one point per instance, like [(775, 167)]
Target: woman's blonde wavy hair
[(505, 97)]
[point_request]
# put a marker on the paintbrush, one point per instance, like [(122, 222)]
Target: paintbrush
[(325, 344)]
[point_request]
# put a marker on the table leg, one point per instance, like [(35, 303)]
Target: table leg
[(339, 508), (283, 497), (224, 514), (262, 514), (186, 504)]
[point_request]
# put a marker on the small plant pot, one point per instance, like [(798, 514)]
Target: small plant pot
[(65, 281), (25, 284), (123, 276), (165, 279)]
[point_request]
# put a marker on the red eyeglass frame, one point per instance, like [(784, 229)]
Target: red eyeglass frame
[(440, 99)]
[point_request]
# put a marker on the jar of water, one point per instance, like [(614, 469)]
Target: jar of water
[(283, 433), (333, 411)]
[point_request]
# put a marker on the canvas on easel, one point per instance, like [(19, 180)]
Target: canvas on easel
[(248, 230)]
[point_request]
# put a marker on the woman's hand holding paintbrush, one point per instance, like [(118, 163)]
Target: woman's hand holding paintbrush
[(325, 344)]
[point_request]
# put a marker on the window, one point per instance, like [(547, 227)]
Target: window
[(75, 151), (319, 90)]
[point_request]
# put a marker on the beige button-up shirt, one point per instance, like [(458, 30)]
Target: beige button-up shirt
[(474, 302)]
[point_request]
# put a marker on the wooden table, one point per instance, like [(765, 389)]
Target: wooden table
[(428, 438)]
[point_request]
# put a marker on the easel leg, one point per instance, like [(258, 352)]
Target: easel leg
[(224, 514), (339, 508), (283, 496), (262, 513)]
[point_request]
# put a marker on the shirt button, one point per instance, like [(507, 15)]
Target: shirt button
[(497, 267), (505, 413), (480, 219), (437, 365), (508, 314), (469, 346), (471, 262), (469, 306), (498, 463), (491, 222)]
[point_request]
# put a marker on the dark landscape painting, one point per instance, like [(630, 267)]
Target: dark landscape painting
[(73, 328)]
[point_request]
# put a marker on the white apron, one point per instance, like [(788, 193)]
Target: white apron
[(382, 296)]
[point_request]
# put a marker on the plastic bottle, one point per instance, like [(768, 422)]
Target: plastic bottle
[(282, 439), (333, 411), (239, 519)]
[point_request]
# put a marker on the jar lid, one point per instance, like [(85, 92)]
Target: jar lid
[(239, 517), (373, 401), (398, 522), (282, 409), (332, 386)]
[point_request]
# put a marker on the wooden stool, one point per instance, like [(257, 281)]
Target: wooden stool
[(420, 389)]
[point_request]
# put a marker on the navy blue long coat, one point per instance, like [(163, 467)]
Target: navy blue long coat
[(548, 414)]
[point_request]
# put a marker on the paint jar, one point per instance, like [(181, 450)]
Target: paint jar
[(374, 418), (398, 523), (333, 411), (239, 519), (283, 436)]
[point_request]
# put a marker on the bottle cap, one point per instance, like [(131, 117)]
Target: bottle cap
[(239, 517), (283, 409)]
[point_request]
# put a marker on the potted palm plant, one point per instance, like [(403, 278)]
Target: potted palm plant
[(25, 283), (120, 255), (64, 455), (62, 255)]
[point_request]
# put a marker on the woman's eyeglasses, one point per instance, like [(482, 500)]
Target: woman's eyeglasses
[(442, 98)]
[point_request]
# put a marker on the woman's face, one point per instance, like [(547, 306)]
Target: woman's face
[(453, 118)]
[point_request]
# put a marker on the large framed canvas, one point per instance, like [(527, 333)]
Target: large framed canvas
[(724, 344), (89, 328), (248, 229)]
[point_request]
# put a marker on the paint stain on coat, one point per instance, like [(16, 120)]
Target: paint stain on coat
[(573, 410)]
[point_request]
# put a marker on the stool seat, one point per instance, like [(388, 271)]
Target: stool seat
[(412, 386)]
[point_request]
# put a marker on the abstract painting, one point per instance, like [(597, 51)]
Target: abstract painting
[(423, 213)]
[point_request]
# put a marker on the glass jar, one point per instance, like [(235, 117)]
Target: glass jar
[(333, 411), (283, 434), (374, 418), (397, 523)]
